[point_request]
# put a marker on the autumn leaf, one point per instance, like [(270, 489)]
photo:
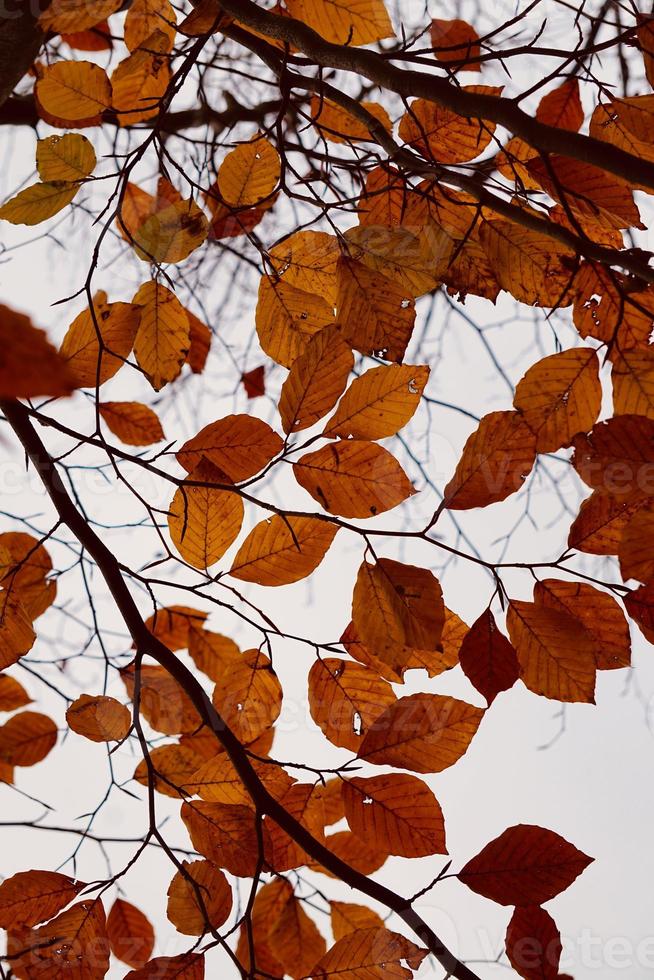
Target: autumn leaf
[(17, 635), (560, 396), (617, 456), (441, 134), (354, 22), (347, 917), (562, 107), (26, 569), (533, 944), (210, 651), (66, 15), (27, 738), (38, 202), (204, 520), (171, 234), (98, 341), (239, 445), (370, 953), (293, 937), (398, 811), (336, 124), (249, 173), (598, 527), (488, 659), (524, 866), (422, 733), (534, 268), (146, 16), (74, 92), (99, 718), (557, 655), (496, 460), (225, 835), (130, 934), (316, 380), (162, 339), (632, 377), (376, 314), (345, 699), (282, 550), (75, 941), (397, 608), (354, 478), (30, 365), (286, 318), (163, 703), (172, 625), (379, 403), (199, 898), (30, 897), (248, 695), (169, 768), (454, 42), (186, 966), (70, 157), (134, 424), (587, 190), (12, 694)]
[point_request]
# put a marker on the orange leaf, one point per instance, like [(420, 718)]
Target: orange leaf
[(199, 343), (130, 933), (443, 135), (344, 21), (376, 313), (282, 550), (99, 718), (74, 92), (199, 898), (598, 612), (173, 767), (379, 403), (27, 738), (617, 456), (96, 347), (353, 478), (287, 318), (73, 944), (640, 606), (375, 954), (347, 917), (204, 520), (12, 694), (30, 897), (67, 15), (487, 658), (632, 376), (134, 424), (24, 569), (144, 17), (16, 633), (186, 966), (164, 704), (239, 445), (608, 307), (172, 624), (250, 173), (422, 733), (560, 396), (598, 527), (162, 339), (557, 655), (334, 123), (210, 652), (562, 107), (587, 190), (224, 834), (534, 268), (524, 866), (294, 939), (397, 811), (496, 460), (454, 42), (345, 699), (248, 695), (316, 380)]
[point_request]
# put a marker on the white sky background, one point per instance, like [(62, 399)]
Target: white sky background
[(593, 784)]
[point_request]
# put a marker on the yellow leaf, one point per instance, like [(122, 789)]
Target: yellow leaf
[(282, 550), (534, 268), (133, 423), (249, 173), (379, 403), (413, 257), (316, 380), (344, 21), (171, 234), (94, 359), (287, 318), (68, 157), (353, 478), (144, 17), (39, 202), (141, 80), (63, 16), (199, 898), (74, 91), (560, 396), (162, 339), (99, 718), (337, 125), (632, 375), (203, 520)]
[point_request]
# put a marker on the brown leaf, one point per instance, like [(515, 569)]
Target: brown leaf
[(239, 445), (533, 944), (560, 396), (353, 478), (248, 695), (525, 865), (199, 898), (294, 939), (16, 633), (376, 313), (254, 382), (366, 856), (130, 933), (397, 609), (397, 811), (562, 107), (597, 611), (496, 460), (443, 135), (73, 944), (598, 527), (487, 658), (345, 699), (422, 733), (164, 704), (186, 966), (24, 569), (97, 344), (30, 365), (225, 835), (454, 42), (12, 694), (99, 718), (557, 655), (617, 456), (347, 917), (373, 954), (282, 550), (640, 606), (27, 738), (29, 897)]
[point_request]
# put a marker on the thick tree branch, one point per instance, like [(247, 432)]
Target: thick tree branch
[(20, 40), (147, 644)]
